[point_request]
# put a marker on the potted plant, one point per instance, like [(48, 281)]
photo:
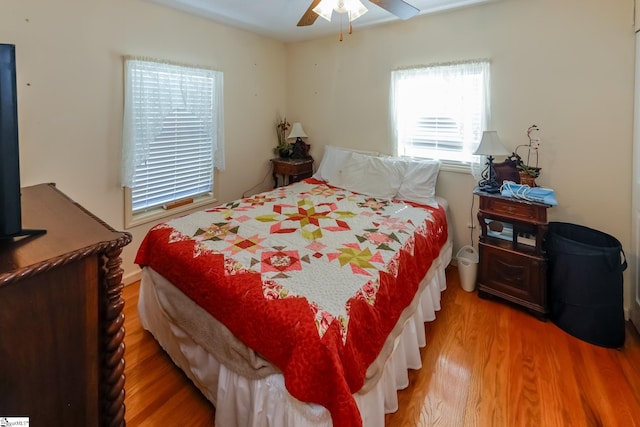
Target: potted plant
[(528, 172), (284, 149)]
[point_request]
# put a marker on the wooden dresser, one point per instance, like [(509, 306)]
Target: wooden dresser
[(61, 319), (513, 265)]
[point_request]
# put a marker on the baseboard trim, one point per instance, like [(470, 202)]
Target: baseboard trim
[(130, 278)]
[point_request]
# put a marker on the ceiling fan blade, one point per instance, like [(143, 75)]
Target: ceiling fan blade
[(400, 8), (309, 16)]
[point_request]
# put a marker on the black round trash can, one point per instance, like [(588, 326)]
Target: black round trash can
[(585, 283)]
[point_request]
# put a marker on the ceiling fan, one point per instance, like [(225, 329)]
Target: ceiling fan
[(399, 8)]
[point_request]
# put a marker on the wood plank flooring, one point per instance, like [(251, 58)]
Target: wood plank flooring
[(485, 364)]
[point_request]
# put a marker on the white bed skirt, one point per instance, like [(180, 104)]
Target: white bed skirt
[(265, 402)]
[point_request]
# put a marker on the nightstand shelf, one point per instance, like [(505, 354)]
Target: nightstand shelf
[(513, 264)]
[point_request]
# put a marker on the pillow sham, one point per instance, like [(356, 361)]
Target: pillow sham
[(373, 176), (419, 182), (332, 161)]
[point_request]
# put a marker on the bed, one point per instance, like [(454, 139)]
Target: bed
[(304, 305)]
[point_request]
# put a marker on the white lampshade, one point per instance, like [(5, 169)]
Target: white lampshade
[(490, 145), (297, 131), (354, 8), (325, 9)]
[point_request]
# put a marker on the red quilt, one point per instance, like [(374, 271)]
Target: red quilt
[(312, 277)]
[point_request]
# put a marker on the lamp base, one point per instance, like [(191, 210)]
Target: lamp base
[(489, 189), (300, 149), (489, 184)]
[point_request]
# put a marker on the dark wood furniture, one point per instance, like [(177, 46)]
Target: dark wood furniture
[(61, 318), (512, 262), (291, 170)]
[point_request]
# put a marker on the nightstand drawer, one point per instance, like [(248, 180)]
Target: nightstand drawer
[(514, 209), (513, 276), (295, 168), (291, 170)]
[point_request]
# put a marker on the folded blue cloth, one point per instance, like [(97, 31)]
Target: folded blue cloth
[(532, 194)]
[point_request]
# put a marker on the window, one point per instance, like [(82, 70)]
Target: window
[(440, 111), (172, 137)]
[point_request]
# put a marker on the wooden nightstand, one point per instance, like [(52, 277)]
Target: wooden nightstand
[(292, 170), (513, 265)]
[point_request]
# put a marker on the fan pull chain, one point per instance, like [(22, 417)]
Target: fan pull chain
[(340, 28)]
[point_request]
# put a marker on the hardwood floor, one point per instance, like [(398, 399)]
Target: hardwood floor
[(485, 364)]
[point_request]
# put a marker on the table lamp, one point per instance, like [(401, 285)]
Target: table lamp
[(490, 146), (300, 148)]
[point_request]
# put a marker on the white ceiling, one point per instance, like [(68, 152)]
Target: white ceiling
[(278, 18)]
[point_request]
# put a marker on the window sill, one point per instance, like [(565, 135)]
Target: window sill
[(457, 167), (133, 220)]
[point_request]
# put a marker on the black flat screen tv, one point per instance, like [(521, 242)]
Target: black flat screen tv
[(10, 204)]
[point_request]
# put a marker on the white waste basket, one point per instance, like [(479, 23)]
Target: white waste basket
[(467, 267)]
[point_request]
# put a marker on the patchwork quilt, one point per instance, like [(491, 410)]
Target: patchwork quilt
[(312, 277)]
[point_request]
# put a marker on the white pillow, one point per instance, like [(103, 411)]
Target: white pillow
[(419, 182), (332, 161), (373, 176)]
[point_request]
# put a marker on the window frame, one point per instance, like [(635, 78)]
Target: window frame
[(448, 163), (134, 143)]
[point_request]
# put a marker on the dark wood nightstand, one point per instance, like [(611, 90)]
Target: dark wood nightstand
[(513, 265), (291, 170)]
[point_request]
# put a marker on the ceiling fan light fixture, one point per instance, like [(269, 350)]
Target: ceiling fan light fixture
[(325, 8), (354, 8)]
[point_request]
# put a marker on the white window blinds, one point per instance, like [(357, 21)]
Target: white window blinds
[(440, 111), (173, 133)]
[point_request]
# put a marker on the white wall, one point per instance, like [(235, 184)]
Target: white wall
[(566, 66), (70, 93)]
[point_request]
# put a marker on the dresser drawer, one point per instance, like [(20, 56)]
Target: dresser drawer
[(514, 209)]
